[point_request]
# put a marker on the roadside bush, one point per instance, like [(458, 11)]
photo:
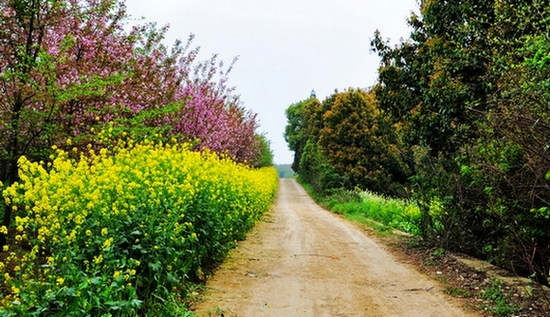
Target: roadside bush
[(393, 212), (359, 205), (315, 169), (447, 220), (120, 232)]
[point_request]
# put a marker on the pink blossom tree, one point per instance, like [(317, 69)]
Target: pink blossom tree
[(69, 65)]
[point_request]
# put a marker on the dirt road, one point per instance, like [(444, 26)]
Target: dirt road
[(305, 261)]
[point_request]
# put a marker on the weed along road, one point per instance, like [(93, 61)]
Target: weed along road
[(304, 261)]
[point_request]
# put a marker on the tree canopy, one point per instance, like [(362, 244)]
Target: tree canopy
[(345, 141), (459, 120), (70, 66)]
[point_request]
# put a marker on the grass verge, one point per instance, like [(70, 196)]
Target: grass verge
[(380, 212)]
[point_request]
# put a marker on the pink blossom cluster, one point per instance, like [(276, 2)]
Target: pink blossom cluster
[(68, 65), (220, 126)]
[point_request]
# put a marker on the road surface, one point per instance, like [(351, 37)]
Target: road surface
[(304, 261)]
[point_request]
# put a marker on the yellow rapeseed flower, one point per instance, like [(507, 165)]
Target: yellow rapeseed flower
[(98, 259), (15, 291), (108, 243), (103, 189)]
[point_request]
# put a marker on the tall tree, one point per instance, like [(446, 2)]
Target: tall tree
[(470, 88), (432, 81), (510, 161), (296, 134), (360, 142)]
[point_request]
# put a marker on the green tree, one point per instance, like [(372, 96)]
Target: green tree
[(432, 81), (436, 86), (266, 154), (360, 142), (317, 171), (296, 133), (305, 121), (470, 90), (510, 161)]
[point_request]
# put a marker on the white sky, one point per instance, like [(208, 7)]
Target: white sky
[(286, 48)]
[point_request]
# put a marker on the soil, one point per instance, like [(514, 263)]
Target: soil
[(305, 261)]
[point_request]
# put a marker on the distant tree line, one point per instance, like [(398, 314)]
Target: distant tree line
[(284, 170), (459, 121)]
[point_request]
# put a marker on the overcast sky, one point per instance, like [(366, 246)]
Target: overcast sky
[(286, 48)]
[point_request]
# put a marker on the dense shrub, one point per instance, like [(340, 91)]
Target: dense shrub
[(120, 232)]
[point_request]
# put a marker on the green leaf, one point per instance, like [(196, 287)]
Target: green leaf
[(71, 292), (96, 280), (155, 266)]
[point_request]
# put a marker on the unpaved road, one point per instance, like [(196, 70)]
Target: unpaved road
[(305, 261)]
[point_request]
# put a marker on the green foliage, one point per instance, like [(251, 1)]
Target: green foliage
[(469, 91), (302, 134), (266, 154), (500, 305), (344, 142), (507, 165), (123, 232), (295, 131), (315, 170), (360, 143)]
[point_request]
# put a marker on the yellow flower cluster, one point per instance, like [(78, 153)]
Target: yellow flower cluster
[(89, 222)]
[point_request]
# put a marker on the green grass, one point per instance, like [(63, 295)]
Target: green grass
[(392, 212), (382, 213), (499, 300), (457, 292)]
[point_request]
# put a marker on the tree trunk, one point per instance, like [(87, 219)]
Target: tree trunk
[(11, 162)]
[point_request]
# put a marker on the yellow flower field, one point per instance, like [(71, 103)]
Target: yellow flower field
[(110, 233)]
